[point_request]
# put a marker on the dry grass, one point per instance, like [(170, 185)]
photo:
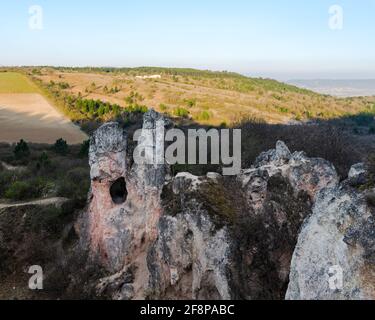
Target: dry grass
[(225, 99)]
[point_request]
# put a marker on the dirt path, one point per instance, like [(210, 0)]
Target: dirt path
[(11, 168), (42, 202)]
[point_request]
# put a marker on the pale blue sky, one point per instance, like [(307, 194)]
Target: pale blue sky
[(283, 39)]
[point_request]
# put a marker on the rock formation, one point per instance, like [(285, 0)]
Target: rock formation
[(335, 254), (219, 237)]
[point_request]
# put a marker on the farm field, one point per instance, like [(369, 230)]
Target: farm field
[(12, 82), (26, 114), (31, 117)]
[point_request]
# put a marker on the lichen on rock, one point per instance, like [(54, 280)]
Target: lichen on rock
[(339, 235)]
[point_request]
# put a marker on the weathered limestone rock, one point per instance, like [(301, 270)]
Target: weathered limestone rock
[(338, 236), (357, 175), (124, 207), (217, 237), (357, 170)]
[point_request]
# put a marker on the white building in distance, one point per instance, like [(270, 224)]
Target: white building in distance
[(155, 76)]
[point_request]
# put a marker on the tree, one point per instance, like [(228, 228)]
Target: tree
[(101, 110), (84, 152), (21, 150), (44, 161), (61, 147)]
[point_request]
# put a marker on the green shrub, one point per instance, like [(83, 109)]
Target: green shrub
[(65, 188), (191, 102), (63, 85), (6, 178), (21, 150), (84, 151), (77, 175), (50, 220), (283, 110), (181, 112), (29, 189), (134, 98), (73, 189), (18, 190), (43, 161), (114, 90), (61, 147), (40, 187), (363, 119), (136, 108), (204, 116), (163, 107)]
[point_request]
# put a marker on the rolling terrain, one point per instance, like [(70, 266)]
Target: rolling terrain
[(44, 187), (205, 97)]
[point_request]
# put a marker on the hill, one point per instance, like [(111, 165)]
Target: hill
[(205, 97)]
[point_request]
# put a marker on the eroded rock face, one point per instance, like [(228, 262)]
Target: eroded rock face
[(335, 255), (210, 237), (118, 227)]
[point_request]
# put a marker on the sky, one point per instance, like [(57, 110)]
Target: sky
[(282, 39)]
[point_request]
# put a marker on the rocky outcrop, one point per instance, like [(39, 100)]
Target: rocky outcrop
[(218, 237), (335, 254), (124, 206)]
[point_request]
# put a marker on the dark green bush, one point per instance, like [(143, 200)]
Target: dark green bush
[(84, 151), (18, 190), (61, 147), (44, 161), (21, 150), (28, 189), (6, 178), (77, 175), (73, 189)]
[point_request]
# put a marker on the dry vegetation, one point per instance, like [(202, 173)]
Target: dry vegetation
[(205, 97)]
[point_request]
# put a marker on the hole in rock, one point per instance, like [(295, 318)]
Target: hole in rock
[(118, 191)]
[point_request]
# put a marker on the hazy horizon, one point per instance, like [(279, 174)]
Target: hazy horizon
[(287, 77)]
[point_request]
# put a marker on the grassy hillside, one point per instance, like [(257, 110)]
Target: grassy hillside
[(205, 97), (12, 82)]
